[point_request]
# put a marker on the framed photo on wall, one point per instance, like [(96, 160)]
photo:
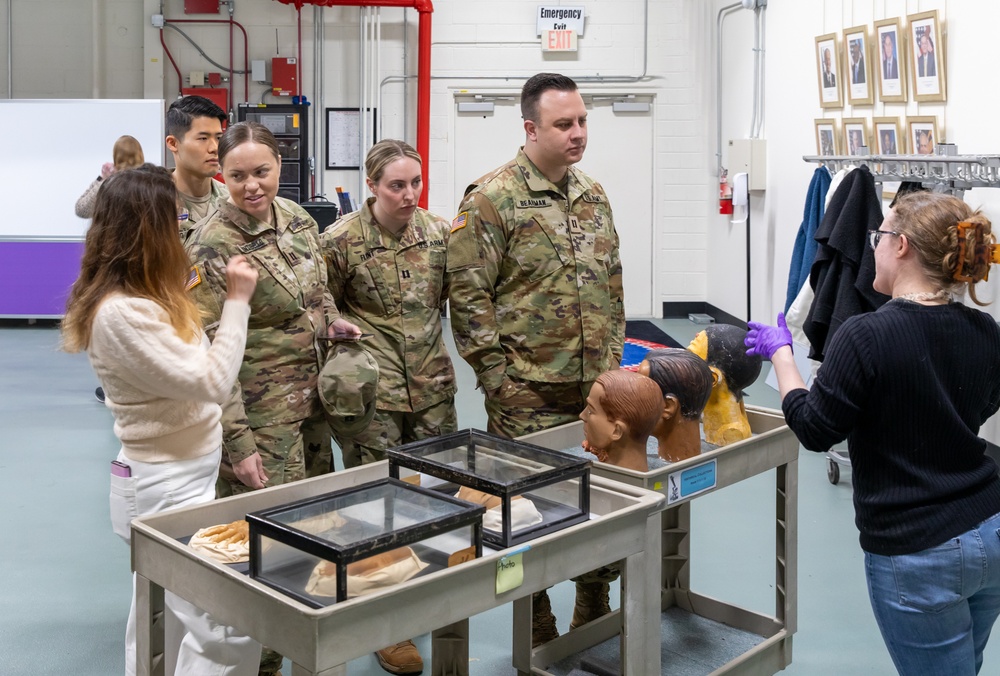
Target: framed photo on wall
[(857, 74), (889, 139), (856, 136), (826, 137), (891, 53), (827, 70), (927, 61), (922, 132)]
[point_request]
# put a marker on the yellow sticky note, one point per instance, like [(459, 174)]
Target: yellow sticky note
[(510, 573), (657, 486)]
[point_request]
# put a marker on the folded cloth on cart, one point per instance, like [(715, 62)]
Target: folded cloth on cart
[(368, 575), (225, 543), (523, 512)]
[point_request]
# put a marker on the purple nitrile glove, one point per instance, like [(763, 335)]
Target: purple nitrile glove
[(764, 340)]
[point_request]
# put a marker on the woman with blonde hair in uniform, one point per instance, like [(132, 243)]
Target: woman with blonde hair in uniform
[(165, 383), (386, 265), (909, 386)]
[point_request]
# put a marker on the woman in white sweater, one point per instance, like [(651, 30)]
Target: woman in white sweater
[(164, 382)]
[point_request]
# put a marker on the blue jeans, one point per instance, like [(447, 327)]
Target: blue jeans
[(935, 608)]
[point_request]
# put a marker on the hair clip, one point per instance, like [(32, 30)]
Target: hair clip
[(982, 254)]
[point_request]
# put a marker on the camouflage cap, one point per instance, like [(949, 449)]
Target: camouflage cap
[(348, 385)]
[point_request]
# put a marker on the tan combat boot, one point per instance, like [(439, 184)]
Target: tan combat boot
[(402, 658), (543, 622), (592, 601)]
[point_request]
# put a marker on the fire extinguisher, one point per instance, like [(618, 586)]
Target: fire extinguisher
[(725, 193)]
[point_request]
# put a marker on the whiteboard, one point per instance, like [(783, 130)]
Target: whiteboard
[(51, 150)]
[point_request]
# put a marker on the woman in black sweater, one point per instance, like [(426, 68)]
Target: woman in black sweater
[(909, 386)]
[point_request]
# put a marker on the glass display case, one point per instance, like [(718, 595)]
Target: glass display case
[(528, 490), (348, 543)]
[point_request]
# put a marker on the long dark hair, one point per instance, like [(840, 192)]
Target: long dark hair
[(133, 247)]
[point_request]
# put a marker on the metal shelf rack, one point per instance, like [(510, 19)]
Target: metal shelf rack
[(957, 173)]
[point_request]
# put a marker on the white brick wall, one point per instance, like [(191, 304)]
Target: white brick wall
[(472, 38)]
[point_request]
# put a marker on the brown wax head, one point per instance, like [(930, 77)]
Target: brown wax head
[(628, 398), (682, 375), (721, 346)]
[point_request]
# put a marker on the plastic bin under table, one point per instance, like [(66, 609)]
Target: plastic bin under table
[(321, 641), (689, 617)]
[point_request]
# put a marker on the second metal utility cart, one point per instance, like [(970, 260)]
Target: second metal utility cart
[(773, 446)]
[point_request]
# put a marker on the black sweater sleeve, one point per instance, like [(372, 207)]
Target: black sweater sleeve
[(824, 415)]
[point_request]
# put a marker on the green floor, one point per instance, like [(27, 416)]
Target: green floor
[(66, 575)]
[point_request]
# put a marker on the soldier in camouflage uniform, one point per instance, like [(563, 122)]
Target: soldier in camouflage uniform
[(194, 127), (386, 268), (536, 289), (274, 430), (536, 280)]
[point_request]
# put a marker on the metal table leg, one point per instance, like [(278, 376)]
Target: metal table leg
[(521, 641), (450, 650), (149, 620), (640, 637)]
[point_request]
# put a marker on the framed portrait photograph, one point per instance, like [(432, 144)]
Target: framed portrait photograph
[(922, 133), (857, 74), (826, 137), (889, 139), (828, 71), (856, 136), (890, 51), (927, 62)]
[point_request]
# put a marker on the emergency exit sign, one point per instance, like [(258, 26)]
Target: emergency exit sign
[(560, 18)]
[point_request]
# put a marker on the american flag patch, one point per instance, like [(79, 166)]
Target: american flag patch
[(460, 221), (194, 278)]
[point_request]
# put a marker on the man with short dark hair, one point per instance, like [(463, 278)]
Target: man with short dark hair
[(194, 126), (536, 293), (536, 288), (890, 66)]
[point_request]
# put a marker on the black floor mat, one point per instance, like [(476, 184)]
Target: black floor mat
[(643, 330)]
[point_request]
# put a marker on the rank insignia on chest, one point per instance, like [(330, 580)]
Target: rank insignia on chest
[(533, 204), (298, 224), (194, 278), (460, 221)]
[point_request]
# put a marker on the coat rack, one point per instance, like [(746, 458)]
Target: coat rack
[(956, 173)]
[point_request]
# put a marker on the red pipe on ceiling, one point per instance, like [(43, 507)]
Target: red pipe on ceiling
[(425, 9)]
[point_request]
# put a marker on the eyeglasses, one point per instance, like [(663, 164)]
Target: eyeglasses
[(875, 236)]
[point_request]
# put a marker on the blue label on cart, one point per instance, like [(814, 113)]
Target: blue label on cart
[(691, 481)]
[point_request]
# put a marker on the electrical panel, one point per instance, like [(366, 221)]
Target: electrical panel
[(201, 6), (289, 122), (284, 76), (219, 97), (749, 156)]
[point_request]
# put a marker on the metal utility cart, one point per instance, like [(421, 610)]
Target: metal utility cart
[(321, 640), (773, 446)]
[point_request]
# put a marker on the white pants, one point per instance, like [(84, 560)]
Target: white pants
[(194, 644)]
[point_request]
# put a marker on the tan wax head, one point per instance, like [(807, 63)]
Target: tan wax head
[(622, 404)]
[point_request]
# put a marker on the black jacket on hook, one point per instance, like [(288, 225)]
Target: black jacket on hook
[(844, 268)]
